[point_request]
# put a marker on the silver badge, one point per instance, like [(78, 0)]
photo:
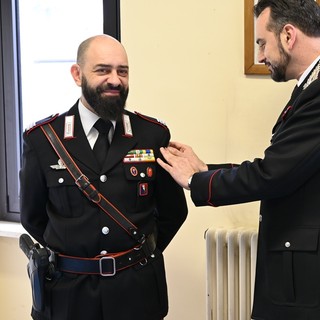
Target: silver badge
[(59, 166)]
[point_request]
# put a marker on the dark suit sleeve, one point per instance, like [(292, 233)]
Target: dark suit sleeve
[(33, 193), (222, 166), (171, 206), (292, 159)]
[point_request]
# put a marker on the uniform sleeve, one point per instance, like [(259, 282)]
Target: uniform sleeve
[(288, 163), (171, 206), (33, 193)]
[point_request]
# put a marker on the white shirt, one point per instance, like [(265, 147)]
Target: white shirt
[(88, 119)]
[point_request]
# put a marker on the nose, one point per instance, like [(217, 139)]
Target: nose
[(260, 56), (113, 78)]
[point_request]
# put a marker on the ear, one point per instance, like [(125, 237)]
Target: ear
[(76, 74), (289, 35)]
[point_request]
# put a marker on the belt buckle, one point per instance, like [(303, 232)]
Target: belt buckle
[(101, 266)]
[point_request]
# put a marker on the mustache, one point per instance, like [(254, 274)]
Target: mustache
[(109, 86)]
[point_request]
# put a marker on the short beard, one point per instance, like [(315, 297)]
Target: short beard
[(279, 71), (108, 108)]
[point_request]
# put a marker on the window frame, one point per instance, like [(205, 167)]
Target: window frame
[(10, 141), (10, 100)]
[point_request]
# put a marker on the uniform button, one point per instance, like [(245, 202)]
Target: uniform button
[(103, 252), (103, 178), (142, 174), (61, 180), (105, 230), (287, 244), (260, 218)]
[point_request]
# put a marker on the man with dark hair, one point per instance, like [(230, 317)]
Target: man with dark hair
[(287, 179), (106, 229)]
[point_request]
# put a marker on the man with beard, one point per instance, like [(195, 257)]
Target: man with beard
[(107, 253), (287, 179)]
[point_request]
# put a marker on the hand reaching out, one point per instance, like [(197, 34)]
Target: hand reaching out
[(182, 162)]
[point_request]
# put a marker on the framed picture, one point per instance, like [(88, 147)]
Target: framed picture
[(251, 66)]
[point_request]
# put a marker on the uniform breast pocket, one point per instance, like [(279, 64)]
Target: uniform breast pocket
[(293, 267), (65, 197), (141, 176)]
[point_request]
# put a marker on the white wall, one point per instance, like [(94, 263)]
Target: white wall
[(186, 67), (15, 294)]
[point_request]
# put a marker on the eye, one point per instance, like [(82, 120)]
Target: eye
[(103, 70), (123, 72)]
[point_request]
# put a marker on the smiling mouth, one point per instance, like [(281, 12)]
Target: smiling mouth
[(269, 66), (111, 92)]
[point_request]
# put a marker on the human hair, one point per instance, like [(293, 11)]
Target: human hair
[(303, 14), (82, 49)]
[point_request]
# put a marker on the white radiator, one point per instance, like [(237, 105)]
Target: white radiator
[(231, 260)]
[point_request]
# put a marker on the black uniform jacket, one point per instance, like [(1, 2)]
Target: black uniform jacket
[(287, 181), (57, 214)]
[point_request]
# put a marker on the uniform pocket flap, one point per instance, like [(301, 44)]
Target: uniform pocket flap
[(57, 178), (140, 171), (300, 239)]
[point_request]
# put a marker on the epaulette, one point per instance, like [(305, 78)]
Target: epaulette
[(153, 120), (39, 123)]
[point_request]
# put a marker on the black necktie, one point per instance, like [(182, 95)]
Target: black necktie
[(101, 146)]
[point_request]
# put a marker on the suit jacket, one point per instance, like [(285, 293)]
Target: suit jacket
[(287, 181), (56, 213)]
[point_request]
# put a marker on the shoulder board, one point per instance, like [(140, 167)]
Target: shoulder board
[(153, 120), (39, 123)]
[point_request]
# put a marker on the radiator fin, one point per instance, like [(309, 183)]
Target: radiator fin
[(231, 260)]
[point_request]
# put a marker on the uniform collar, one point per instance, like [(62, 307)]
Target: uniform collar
[(88, 118), (308, 70)]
